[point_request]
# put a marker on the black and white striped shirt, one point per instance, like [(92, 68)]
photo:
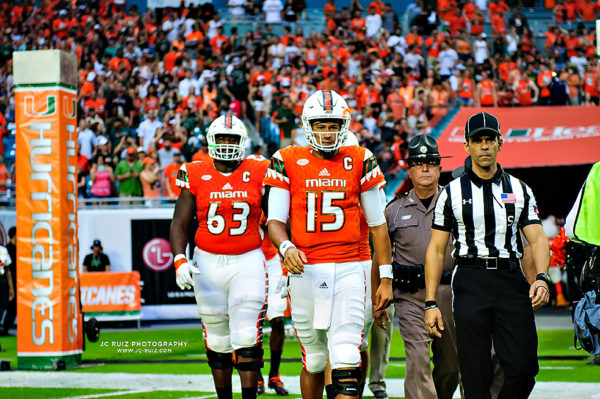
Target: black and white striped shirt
[(484, 216)]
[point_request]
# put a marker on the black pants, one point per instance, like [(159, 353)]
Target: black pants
[(4, 303), (494, 305)]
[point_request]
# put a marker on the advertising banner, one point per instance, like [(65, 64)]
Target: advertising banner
[(533, 136), (152, 258), (110, 292), (48, 311)]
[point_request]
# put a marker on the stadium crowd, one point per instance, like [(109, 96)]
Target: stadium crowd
[(151, 83)]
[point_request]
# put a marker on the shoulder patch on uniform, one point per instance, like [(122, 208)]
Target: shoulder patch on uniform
[(277, 168), (182, 179)]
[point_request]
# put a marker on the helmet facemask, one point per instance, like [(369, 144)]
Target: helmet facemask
[(315, 137), (230, 150), (324, 106), (226, 151)]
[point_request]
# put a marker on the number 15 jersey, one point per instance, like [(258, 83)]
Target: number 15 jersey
[(324, 199), (228, 207)]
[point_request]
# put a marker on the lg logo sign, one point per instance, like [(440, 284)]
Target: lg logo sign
[(157, 254)]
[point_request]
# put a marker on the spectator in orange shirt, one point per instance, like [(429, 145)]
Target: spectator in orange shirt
[(496, 7), (590, 86), (544, 79), (150, 179), (560, 12), (358, 24), (170, 59), (469, 10), (485, 93), (330, 9), (572, 43), (170, 175), (195, 37), (498, 24), (202, 154), (445, 9), (574, 83), (432, 45), (523, 88), (572, 10), (4, 176), (588, 11), (192, 102), (118, 63), (466, 89), (457, 22), (463, 48), (377, 6), (414, 38), (219, 41)]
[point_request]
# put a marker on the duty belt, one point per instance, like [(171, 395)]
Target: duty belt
[(411, 279), (488, 263)]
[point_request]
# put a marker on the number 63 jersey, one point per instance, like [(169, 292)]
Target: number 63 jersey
[(228, 207), (325, 194)]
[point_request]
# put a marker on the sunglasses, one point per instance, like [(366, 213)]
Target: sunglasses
[(420, 162)]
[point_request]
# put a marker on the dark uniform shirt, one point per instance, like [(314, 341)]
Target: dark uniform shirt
[(484, 216), (409, 227), (96, 263)]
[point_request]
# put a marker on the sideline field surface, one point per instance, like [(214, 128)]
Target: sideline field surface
[(113, 371), (194, 385)]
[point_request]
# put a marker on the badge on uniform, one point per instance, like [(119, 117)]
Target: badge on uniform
[(508, 198), (406, 217)]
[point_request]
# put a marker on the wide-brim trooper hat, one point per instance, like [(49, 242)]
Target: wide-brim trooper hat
[(423, 146)]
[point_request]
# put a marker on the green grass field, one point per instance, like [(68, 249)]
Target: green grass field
[(104, 356)]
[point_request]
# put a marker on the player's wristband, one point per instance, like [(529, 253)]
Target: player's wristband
[(284, 246), (385, 271), (180, 260), (430, 305)]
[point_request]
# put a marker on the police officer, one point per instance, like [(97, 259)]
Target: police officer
[(485, 209), (409, 223)]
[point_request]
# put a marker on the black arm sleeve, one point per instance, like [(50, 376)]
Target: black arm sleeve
[(264, 205)]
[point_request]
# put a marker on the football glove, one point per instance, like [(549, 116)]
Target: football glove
[(184, 273)]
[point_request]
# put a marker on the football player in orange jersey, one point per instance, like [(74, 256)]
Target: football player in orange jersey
[(323, 189), (228, 272), (365, 260), (276, 305)]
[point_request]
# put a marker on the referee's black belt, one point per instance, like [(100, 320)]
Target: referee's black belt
[(489, 263)]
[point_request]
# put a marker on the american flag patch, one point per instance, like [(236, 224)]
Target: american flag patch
[(508, 198)]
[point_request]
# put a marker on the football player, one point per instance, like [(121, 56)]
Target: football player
[(228, 267), (365, 259), (276, 305), (322, 189)]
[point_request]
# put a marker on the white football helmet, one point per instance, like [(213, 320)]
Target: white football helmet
[(325, 104), (230, 125), (350, 140)]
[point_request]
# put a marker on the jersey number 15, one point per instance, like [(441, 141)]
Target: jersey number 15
[(316, 210)]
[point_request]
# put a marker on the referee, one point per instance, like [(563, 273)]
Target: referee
[(484, 209)]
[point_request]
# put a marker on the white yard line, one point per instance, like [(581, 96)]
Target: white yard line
[(204, 383), (107, 394)]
